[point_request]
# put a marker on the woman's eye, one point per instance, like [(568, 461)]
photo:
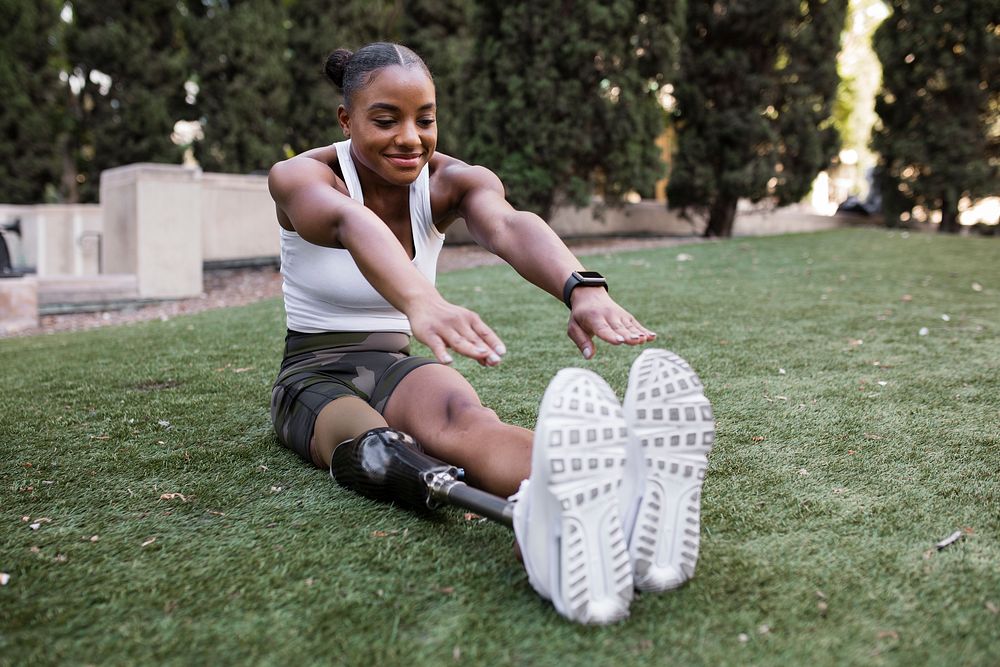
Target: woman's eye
[(383, 122), (425, 122)]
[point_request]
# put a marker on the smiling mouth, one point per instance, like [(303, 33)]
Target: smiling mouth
[(405, 159)]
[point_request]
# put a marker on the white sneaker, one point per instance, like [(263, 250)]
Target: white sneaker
[(566, 514), (671, 432)]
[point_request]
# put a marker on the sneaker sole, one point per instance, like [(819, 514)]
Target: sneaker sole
[(580, 445), (671, 432)]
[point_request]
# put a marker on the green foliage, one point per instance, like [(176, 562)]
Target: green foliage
[(939, 108), (561, 103), (140, 47), (827, 488), (31, 94), (754, 103), (238, 51)]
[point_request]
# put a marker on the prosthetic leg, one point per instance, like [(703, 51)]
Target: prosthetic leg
[(388, 465)]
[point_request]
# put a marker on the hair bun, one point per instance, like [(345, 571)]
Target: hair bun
[(336, 63)]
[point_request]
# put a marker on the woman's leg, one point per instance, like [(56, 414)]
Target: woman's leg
[(441, 410), (342, 419)]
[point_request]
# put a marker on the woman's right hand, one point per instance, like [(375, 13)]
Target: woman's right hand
[(441, 325)]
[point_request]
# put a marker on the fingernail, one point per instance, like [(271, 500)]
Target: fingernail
[(447, 359), (480, 350), (620, 339), (501, 349), (493, 359), (587, 352)]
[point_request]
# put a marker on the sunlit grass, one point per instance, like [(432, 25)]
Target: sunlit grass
[(171, 527)]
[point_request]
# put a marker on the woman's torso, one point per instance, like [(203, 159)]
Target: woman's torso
[(323, 288)]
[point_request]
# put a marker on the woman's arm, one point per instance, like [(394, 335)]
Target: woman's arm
[(529, 245), (303, 189)]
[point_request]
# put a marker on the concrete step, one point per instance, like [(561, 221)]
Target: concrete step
[(56, 291)]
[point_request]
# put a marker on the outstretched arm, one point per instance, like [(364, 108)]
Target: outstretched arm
[(304, 191), (530, 246)]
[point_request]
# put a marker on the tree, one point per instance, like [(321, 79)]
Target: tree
[(129, 59), (30, 88), (754, 103), (939, 133), (562, 97), (238, 54)]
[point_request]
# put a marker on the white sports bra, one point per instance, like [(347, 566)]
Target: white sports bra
[(324, 289)]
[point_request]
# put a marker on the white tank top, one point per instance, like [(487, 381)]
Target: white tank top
[(324, 289)]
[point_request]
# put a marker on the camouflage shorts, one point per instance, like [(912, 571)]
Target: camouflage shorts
[(319, 368)]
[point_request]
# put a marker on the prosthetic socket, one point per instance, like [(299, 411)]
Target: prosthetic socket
[(388, 465)]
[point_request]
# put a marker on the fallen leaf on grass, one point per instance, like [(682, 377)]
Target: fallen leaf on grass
[(456, 653), (4, 578), (906, 298), (976, 287), (214, 513), (764, 629), (277, 489), (92, 538), (447, 590), (757, 438), (924, 331), (950, 540), (993, 607), (872, 436), (472, 516), (743, 637), (100, 437), (243, 370), (173, 496), (148, 542), (803, 472), (60, 558), (887, 634)]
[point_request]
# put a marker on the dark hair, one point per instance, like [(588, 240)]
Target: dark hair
[(352, 71)]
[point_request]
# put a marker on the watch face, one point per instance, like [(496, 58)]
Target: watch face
[(590, 275)]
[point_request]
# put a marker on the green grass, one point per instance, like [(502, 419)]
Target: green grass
[(848, 445)]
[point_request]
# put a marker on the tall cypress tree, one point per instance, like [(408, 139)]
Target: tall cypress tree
[(30, 90), (938, 134), (238, 50), (128, 116), (754, 103), (562, 97)]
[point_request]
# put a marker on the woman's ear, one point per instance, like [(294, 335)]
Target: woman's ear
[(345, 120)]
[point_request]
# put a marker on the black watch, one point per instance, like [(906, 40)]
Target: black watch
[(582, 279)]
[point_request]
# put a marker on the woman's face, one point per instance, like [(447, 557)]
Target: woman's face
[(392, 124)]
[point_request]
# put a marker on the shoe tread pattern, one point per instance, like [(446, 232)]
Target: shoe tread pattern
[(673, 423), (585, 437)]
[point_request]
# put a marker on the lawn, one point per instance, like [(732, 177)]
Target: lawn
[(148, 515)]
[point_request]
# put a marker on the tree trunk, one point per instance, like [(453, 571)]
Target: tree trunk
[(949, 216), (721, 217)]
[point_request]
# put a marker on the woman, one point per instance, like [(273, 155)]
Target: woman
[(362, 222)]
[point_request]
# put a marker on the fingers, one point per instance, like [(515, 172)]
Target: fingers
[(614, 326), (580, 337), (458, 329)]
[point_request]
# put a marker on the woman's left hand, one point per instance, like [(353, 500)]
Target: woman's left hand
[(595, 313)]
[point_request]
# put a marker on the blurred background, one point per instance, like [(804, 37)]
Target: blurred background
[(885, 110)]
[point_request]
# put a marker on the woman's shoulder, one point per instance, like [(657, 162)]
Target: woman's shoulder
[(316, 164), (454, 174)]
